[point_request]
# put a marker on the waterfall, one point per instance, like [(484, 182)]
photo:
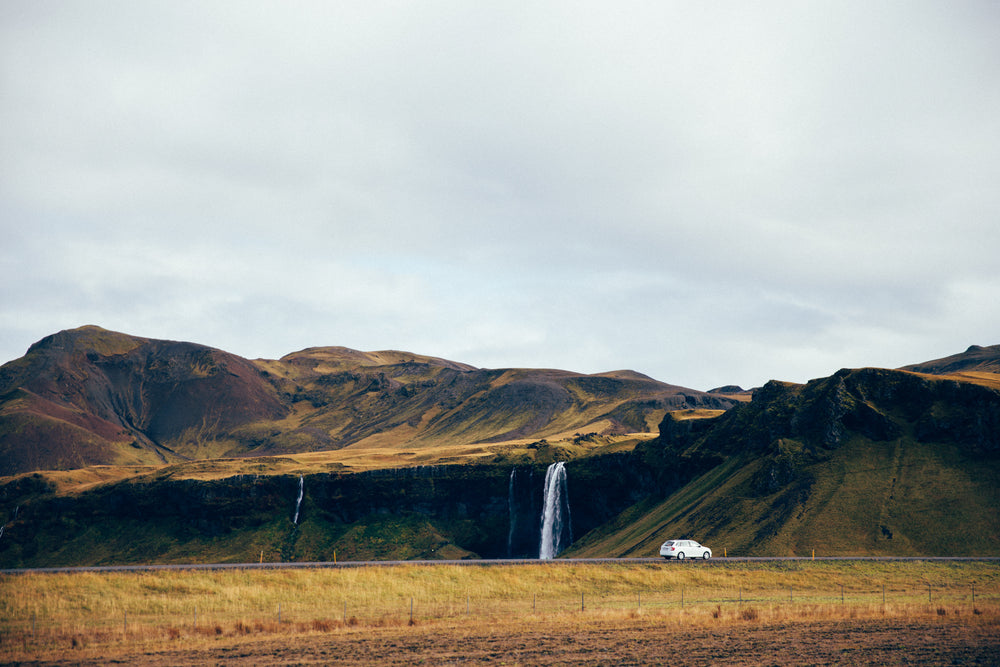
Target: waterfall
[(556, 531), (298, 502), (511, 513)]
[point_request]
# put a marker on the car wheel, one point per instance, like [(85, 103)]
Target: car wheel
[(705, 556), (680, 555)]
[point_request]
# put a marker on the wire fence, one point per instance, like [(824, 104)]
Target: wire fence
[(218, 617)]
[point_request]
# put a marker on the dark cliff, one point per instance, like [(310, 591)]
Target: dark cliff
[(472, 511)]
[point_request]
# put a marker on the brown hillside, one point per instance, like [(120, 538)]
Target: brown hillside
[(975, 359), (90, 396)]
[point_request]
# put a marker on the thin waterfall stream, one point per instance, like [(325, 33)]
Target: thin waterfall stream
[(298, 502)]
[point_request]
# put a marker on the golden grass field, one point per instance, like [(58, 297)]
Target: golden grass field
[(68, 618), (356, 458)]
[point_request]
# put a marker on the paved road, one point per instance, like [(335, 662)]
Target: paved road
[(487, 563)]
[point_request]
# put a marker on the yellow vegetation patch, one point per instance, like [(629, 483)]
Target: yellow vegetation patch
[(48, 612)]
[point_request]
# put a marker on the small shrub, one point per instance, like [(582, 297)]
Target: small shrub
[(322, 625), (173, 633), (976, 611), (941, 611), (717, 612), (748, 614), (352, 621)]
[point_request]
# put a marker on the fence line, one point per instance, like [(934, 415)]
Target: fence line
[(209, 619)]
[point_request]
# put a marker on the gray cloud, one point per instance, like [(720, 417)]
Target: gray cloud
[(707, 195)]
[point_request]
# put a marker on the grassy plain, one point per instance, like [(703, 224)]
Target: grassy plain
[(68, 616)]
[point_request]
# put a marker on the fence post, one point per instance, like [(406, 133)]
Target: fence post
[(533, 603), (345, 611), (582, 607), (279, 613), (125, 622), (842, 594), (411, 611), (682, 597), (928, 592), (466, 605), (973, 601), (789, 593), (883, 594)]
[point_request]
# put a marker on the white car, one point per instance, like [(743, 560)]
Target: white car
[(681, 549)]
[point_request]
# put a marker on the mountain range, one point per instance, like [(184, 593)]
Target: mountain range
[(89, 396), (120, 449)]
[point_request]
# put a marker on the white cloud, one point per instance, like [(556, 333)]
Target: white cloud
[(706, 194)]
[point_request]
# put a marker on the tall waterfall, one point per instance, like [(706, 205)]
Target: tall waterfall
[(556, 531), (298, 502)]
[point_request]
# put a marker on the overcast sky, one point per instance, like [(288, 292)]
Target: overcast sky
[(708, 195)]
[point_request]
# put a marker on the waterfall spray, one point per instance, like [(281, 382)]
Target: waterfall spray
[(555, 513), (298, 502)]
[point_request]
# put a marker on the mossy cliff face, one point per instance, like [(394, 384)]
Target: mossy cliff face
[(460, 511), (865, 461), (789, 427)]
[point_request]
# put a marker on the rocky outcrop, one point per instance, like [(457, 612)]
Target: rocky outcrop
[(876, 404)]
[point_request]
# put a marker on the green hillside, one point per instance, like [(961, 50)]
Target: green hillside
[(869, 462)]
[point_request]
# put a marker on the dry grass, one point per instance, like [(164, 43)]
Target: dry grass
[(983, 378), (42, 613), (356, 458), (696, 413)]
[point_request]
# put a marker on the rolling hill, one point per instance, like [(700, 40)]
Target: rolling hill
[(867, 461), (89, 396)]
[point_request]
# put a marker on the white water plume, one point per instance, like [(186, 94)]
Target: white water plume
[(555, 513), (298, 502)]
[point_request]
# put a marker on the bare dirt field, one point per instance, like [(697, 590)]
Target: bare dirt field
[(636, 641)]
